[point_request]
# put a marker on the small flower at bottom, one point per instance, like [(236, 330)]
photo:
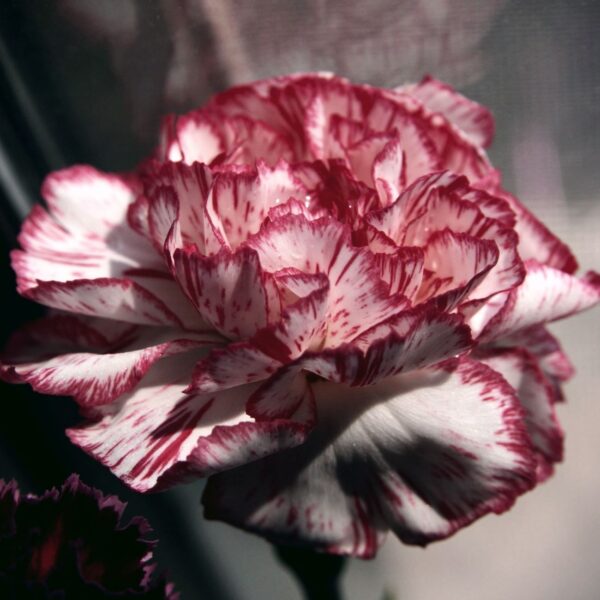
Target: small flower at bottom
[(73, 543), (318, 294)]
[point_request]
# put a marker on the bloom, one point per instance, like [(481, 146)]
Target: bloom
[(73, 541), (318, 294)]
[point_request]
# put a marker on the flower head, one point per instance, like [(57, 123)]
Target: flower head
[(73, 541), (317, 293)]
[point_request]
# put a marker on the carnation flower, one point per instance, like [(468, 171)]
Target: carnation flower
[(318, 294), (73, 543)]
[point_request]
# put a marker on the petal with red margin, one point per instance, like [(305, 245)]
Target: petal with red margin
[(48, 356), (53, 253), (415, 340), (472, 119), (229, 290), (120, 299), (157, 435), (358, 299), (423, 454), (536, 393), (389, 172), (434, 203), (249, 140), (465, 218), (73, 194), (194, 137), (454, 266), (241, 201), (421, 156), (183, 189), (413, 203), (282, 395), (403, 270), (536, 241), (546, 295), (302, 326), (546, 349)]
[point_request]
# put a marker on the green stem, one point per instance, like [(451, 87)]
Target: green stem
[(318, 574)]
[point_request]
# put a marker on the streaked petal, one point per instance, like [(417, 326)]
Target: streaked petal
[(472, 119), (412, 341), (536, 394), (546, 295), (358, 299), (71, 356), (190, 138), (402, 270), (120, 299), (422, 454), (73, 194), (158, 435), (455, 264), (229, 290), (241, 201), (302, 325), (282, 395)]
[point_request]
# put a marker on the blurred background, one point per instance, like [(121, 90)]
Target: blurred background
[(85, 81)]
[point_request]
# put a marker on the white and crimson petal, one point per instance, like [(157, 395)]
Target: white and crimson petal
[(64, 243), (545, 347), (471, 119), (71, 356), (442, 202), (229, 290), (308, 255), (454, 266), (536, 241), (358, 299), (537, 396), (190, 138), (157, 434), (282, 395), (545, 295), (240, 202), (413, 340), (421, 454), (302, 326), (402, 270)]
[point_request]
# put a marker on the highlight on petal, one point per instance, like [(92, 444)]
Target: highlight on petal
[(190, 138), (64, 244), (423, 454), (158, 435), (73, 194)]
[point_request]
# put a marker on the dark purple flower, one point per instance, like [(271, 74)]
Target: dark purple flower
[(73, 543)]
